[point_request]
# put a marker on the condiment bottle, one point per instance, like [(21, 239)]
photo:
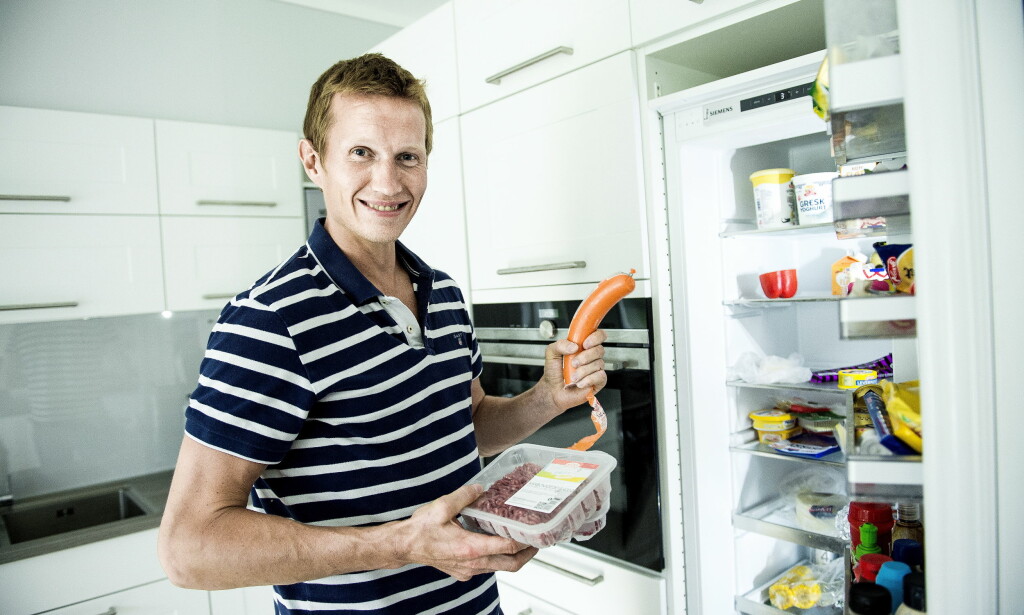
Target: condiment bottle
[(868, 565), (908, 523), (869, 599), (890, 576), (878, 514), (909, 552), (913, 595), (868, 541)]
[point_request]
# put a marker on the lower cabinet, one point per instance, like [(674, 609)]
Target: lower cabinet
[(516, 602), (159, 598), (243, 601)]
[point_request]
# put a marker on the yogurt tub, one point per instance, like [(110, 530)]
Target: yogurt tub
[(813, 193), (774, 199)]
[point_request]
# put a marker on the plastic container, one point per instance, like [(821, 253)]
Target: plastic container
[(868, 566), (541, 495), (770, 437), (818, 423), (813, 193), (772, 420), (774, 199)]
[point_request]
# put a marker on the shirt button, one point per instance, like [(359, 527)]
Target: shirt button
[(409, 328), (384, 301)]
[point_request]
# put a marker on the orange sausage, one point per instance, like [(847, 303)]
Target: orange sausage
[(592, 311)]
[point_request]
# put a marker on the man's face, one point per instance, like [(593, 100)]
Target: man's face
[(374, 171)]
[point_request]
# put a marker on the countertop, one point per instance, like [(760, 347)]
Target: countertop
[(149, 491)]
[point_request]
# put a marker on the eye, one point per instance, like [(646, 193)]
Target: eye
[(409, 160), (360, 152)]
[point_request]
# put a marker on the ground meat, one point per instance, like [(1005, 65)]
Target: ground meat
[(493, 501)]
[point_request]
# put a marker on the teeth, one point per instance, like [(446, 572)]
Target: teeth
[(383, 207)]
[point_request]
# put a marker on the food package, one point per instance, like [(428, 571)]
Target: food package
[(903, 403), (541, 495), (808, 586), (898, 260)]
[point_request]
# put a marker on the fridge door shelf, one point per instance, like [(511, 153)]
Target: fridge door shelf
[(885, 478), (865, 84), (763, 450), (878, 317), (872, 204), (868, 135), (777, 519), (744, 228), (755, 602)]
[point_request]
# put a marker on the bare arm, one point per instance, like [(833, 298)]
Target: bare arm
[(209, 540), (501, 422)]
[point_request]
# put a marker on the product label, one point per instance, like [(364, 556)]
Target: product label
[(552, 485)]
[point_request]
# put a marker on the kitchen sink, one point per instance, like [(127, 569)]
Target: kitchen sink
[(53, 516)]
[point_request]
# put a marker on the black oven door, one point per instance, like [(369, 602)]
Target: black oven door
[(633, 530)]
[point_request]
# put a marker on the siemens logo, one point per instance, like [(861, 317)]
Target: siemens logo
[(710, 113)]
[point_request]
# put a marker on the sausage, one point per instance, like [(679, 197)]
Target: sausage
[(592, 311), (586, 320)]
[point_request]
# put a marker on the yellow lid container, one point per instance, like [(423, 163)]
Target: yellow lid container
[(771, 416), (771, 176)]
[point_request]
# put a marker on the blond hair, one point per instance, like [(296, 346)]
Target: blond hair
[(371, 74)]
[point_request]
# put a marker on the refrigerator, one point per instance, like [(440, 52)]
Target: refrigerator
[(934, 90)]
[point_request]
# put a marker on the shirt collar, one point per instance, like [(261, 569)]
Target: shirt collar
[(349, 279)]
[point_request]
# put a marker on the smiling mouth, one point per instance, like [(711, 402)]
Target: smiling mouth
[(385, 207)]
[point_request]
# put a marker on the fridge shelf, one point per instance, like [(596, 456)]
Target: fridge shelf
[(766, 303), (791, 386), (878, 317), (885, 478), (763, 450), (868, 135), (755, 602), (872, 204), (777, 519), (802, 229)]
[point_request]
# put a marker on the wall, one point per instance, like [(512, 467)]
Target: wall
[(237, 62)]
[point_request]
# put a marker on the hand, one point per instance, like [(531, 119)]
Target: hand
[(589, 363), (433, 537)]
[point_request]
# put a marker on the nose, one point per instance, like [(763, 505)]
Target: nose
[(386, 179)]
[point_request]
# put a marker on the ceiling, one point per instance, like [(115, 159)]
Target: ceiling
[(398, 13)]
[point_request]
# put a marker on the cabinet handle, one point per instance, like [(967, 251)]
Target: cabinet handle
[(575, 576), (37, 306), (548, 267), (497, 77), (218, 295), (609, 366), (34, 197), (244, 203), (111, 611)]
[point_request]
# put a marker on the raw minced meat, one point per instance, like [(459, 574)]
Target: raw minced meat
[(493, 501)]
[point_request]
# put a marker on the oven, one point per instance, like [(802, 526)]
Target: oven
[(512, 339)]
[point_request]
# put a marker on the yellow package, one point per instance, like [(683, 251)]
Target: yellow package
[(841, 281), (903, 404)]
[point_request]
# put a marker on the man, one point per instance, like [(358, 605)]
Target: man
[(342, 391)]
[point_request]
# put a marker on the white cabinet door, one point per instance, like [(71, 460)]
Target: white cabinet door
[(516, 602), (438, 231), (65, 267), (567, 579), (228, 171), (243, 601), (651, 19), (208, 260), (426, 48), (64, 162), (504, 47), (160, 598), (553, 182)]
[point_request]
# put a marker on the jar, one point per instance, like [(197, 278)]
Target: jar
[(878, 514), (813, 193), (774, 200)]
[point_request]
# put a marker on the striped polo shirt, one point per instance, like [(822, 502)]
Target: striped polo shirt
[(309, 373)]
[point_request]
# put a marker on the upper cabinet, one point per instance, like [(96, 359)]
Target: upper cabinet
[(505, 47), (426, 48), (652, 19), (81, 163), (553, 182), (211, 170)]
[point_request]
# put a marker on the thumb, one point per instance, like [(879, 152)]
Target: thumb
[(462, 497), (561, 348)]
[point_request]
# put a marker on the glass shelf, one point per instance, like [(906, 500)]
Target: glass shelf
[(765, 302), (828, 387), (875, 82), (878, 317), (777, 519), (803, 229), (763, 450)]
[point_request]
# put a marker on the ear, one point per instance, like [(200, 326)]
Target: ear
[(311, 162)]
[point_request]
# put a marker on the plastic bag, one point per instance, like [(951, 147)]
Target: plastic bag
[(808, 586), (756, 369)]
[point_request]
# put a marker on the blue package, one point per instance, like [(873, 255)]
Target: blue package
[(880, 419), (807, 445)]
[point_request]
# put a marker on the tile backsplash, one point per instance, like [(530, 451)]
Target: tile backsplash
[(88, 401)]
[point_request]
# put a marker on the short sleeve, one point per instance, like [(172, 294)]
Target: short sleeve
[(253, 394)]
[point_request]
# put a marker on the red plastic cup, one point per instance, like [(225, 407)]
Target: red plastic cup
[(779, 284)]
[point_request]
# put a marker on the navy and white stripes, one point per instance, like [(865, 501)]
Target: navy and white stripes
[(306, 373)]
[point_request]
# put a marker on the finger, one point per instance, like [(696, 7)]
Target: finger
[(559, 349), (591, 355), (454, 502), (596, 338)]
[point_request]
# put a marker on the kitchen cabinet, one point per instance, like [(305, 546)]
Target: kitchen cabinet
[(208, 260), (210, 170), (60, 162), (426, 48), (505, 47), (652, 19), (438, 231), (62, 266), (159, 598), (243, 601), (561, 580), (553, 182)]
